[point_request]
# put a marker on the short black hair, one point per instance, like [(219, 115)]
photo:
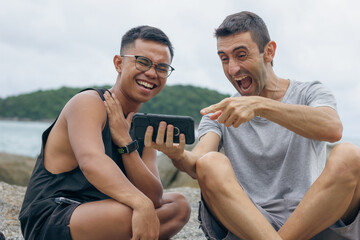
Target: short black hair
[(145, 32), (245, 22)]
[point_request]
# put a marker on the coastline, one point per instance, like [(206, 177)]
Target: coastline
[(17, 119)]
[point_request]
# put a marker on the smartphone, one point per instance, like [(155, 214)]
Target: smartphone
[(182, 124)]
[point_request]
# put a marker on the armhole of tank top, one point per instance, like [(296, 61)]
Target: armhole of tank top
[(100, 91)]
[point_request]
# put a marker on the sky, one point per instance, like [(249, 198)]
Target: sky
[(47, 44)]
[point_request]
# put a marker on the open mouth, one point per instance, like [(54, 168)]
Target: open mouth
[(146, 85), (244, 82)]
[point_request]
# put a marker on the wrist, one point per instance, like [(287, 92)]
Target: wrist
[(260, 106), (129, 147), (142, 203), (265, 106), (123, 140)]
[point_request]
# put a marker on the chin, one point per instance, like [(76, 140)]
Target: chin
[(144, 99)]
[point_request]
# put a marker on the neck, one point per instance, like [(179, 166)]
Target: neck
[(127, 104), (278, 88), (272, 85)]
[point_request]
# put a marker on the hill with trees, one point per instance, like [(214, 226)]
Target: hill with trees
[(47, 104)]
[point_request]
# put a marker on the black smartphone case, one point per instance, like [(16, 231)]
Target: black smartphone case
[(182, 124)]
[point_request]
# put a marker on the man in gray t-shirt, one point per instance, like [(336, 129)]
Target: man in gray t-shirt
[(280, 163), (273, 180)]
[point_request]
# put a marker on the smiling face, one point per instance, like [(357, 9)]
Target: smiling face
[(135, 85), (242, 63)]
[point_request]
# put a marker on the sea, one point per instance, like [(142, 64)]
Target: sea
[(24, 137)]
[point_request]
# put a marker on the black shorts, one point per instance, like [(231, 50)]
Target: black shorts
[(56, 226), (47, 220)]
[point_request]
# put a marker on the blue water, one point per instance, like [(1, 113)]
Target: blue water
[(21, 138), (24, 138)]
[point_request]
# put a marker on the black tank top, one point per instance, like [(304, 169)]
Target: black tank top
[(44, 186)]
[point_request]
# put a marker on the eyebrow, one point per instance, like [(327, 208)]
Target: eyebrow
[(235, 49)]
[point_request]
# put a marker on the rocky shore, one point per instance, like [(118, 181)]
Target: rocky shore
[(11, 198), (16, 170)]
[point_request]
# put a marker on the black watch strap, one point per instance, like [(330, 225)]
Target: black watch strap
[(129, 148)]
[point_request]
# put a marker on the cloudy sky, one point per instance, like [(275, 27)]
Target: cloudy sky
[(46, 44)]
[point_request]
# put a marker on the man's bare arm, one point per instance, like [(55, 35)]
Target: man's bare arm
[(85, 115), (142, 172), (321, 123)]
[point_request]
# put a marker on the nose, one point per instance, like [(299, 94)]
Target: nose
[(233, 67), (151, 72)]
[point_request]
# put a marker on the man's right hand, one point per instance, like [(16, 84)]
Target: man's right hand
[(145, 223), (174, 151), (182, 160)]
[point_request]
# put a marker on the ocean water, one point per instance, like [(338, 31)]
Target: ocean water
[(21, 137), (24, 138)]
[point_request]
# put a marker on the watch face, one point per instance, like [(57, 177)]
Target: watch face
[(132, 146)]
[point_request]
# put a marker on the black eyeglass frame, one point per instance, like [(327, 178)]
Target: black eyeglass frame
[(150, 65)]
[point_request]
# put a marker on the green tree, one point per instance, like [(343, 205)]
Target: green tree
[(47, 104)]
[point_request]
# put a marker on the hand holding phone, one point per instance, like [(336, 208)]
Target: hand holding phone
[(182, 124)]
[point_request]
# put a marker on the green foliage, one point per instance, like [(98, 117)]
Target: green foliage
[(182, 100), (46, 105)]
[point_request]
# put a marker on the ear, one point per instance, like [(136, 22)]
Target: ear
[(118, 63), (269, 51)]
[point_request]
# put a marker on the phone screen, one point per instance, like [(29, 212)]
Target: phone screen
[(182, 124)]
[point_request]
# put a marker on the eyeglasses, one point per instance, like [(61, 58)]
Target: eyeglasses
[(144, 64)]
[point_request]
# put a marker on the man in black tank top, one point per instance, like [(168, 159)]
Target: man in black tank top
[(82, 186)]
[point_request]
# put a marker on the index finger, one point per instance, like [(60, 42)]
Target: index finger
[(213, 108), (209, 109)]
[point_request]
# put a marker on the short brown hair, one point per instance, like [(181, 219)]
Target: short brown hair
[(245, 22)]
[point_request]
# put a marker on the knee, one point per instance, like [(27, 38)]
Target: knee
[(344, 162), (182, 209), (210, 169)]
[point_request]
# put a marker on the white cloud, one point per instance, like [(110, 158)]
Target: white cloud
[(51, 43)]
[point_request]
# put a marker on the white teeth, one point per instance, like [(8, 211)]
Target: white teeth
[(240, 78), (145, 84)]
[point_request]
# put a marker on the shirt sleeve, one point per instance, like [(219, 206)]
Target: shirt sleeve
[(207, 125), (318, 95)]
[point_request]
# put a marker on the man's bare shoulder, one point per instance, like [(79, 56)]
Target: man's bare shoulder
[(78, 124), (83, 101)]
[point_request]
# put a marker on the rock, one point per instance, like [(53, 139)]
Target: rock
[(183, 180), (171, 177), (167, 171), (10, 202), (191, 229), (11, 198), (16, 169)]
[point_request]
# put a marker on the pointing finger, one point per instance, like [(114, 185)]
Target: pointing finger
[(207, 110)]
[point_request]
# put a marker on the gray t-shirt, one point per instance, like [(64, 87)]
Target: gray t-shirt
[(270, 161)]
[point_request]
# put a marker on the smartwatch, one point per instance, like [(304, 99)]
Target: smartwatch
[(129, 148)]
